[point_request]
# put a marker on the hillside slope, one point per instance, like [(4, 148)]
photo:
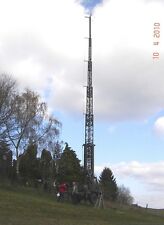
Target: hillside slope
[(26, 207)]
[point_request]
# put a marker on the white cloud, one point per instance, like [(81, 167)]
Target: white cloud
[(127, 80), (43, 48), (151, 174), (159, 126), (42, 44)]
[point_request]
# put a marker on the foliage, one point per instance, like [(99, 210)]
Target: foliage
[(69, 166), (26, 129), (108, 184), (5, 160), (26, 126), (29, 165), (57, 152), (47, 169), (7, 94), (124, 196), (29, 123)]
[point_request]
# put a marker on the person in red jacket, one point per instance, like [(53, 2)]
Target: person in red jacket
[(62, 190)]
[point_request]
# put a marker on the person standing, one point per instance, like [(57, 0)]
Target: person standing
[(62, 191), (75, 193)]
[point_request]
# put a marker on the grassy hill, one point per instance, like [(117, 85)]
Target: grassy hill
[(22, 206)]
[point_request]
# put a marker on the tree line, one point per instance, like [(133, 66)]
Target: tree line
[(30, 151), (24, 119)]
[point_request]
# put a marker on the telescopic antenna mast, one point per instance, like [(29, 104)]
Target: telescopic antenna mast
[(89, 117)]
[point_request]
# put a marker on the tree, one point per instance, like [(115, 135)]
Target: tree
[(124, 196), (69, 166), (29, 165), (5, 160), (108, 184), (7, 94), (30, 124), (57, 152), (47, 168)]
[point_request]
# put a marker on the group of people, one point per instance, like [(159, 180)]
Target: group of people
[(76, 193), (64, 191)]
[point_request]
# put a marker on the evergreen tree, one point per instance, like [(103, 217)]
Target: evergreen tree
[(108, 184), (5, 160), (29, 165), (47, 168), (69, 168)]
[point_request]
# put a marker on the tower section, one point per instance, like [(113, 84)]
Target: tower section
[(89, 117)]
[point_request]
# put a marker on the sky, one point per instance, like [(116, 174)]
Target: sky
[(43, 45)]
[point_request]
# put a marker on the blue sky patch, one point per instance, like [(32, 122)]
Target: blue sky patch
[(90, 4)]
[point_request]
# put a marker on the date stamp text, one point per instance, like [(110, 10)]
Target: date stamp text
[(156, 41)]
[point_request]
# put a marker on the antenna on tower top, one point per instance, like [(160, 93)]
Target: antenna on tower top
[(89, 117)]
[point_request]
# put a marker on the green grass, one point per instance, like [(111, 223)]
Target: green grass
[(22, 206)]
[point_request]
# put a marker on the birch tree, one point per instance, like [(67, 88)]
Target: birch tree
[(29, 123), (7, 94)]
